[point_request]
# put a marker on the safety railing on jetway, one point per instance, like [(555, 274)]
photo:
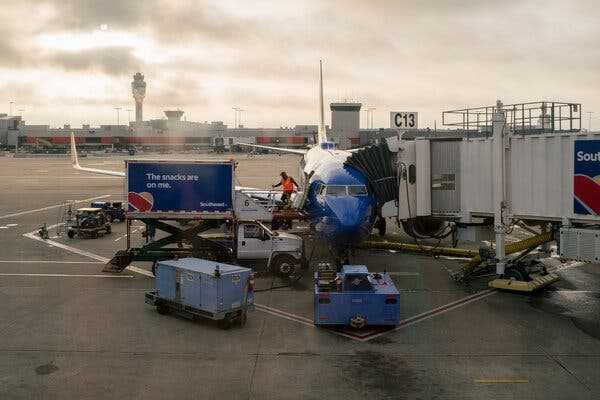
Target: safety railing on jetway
[(541, 117)]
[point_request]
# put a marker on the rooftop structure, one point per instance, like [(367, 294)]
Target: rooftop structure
[(345, 123)]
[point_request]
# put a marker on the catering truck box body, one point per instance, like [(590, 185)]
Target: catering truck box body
[(202, 287), (179, 189)]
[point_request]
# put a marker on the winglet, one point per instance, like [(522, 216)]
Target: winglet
[(74, 159)]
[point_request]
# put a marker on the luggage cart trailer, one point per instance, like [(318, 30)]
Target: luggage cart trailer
[(208, 289)]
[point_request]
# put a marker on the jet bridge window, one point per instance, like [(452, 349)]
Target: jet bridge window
[(357, 190)]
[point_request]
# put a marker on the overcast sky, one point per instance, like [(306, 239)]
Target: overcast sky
[(72, 61)]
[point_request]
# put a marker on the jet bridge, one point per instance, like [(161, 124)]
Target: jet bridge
[(527, 162)]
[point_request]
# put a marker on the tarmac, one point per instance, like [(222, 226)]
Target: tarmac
[(69, 330)]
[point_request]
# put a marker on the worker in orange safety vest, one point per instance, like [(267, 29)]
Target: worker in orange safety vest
[(288, 183)]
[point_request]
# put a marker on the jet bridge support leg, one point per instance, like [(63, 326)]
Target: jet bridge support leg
[(498, 126), (162, 249)]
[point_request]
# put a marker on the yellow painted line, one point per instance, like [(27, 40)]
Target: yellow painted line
[(493, 381)]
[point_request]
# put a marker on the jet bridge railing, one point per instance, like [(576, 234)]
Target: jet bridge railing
[(533, 118)]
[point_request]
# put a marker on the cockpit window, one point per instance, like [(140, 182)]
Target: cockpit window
[(335, 190), (357, 190), (319, 189)]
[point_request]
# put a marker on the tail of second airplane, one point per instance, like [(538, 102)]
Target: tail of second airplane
[(75, 162), (74, 159)]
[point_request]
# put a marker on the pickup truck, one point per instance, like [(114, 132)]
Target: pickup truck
[(281, 252)]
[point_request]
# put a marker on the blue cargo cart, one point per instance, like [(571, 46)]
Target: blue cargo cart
[(114, 211), (203, 288), (355, 297)]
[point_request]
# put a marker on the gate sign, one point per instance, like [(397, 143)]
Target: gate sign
[(586, 177), (404, 120)]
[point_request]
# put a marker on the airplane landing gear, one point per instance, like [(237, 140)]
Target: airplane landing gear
[(381, 226)]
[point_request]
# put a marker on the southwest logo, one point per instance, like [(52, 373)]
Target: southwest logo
[(583, 156), (141, 202), (587, 193), (586, 177)]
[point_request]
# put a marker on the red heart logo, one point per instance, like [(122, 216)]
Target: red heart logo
[(142, 202)]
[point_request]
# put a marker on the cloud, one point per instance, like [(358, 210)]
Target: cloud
[(208, 56), (117, 61)]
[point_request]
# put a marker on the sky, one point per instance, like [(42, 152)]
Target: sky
[(72, 62)]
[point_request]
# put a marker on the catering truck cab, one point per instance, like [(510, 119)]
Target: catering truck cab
[(281, 251)]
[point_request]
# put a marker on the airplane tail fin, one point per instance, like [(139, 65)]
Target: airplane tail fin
[(75, 162), (74, 159), (322, 133)]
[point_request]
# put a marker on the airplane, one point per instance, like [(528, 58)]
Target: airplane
[(336, 196)]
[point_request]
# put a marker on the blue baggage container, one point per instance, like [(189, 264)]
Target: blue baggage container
[(201, 287), (355, 297)]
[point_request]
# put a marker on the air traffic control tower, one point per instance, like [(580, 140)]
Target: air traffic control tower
[(138, 89), (345, 123)]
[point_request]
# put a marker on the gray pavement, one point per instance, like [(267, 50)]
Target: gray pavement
[(69, 331)]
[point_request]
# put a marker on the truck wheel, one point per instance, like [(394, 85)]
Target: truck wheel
[(358, 322), (284, 265), (71, 234), (243, 317), (161, 308), (226, 322)]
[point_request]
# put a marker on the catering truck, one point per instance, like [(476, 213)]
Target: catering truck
[(203, 215)]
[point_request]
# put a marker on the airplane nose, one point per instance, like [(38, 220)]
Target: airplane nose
[(351, 218)]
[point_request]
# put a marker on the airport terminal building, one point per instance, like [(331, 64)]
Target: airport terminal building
[(173, 131)]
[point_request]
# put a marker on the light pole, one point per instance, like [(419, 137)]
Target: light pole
[(240, 117), (590, 120), (118, 128), (369, 111), (367, 116), (235, 116), (118, 121)]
